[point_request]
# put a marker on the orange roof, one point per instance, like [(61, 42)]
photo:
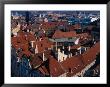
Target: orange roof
[(43, 45), (48, 25), (74, 64), (30, 37), (14, 40), (60, 34), (55, 67), (75, 46), (90, 54), (24, 46), (83, 35), (16, 45)]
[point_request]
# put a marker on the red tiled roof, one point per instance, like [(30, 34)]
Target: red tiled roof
[(90, 55), (14, 40), (55, 68), (51, 25), (36, 61), (48, 25), (75, 46), (60, 34), (16, 46), (83, 35), (24, 46), (73, 65), (43, 44)]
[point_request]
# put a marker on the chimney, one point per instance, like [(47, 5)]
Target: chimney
[(85, 48), (18, 26), (36, 49), (43, 57), (40, 39), (59, 56), (93, 38), (71, 54), (58, 50), (36, 37), (32, 43), (27, 30), (63, 52), (15, 34), (56, 46), (94, 42), (63, 47), (29, 63), (76, 53), (80, 50), (69, 48)]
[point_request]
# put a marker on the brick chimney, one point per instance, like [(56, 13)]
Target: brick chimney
[(32, 43), (43, 57), (36, 49), (56, 46), (69, 48)]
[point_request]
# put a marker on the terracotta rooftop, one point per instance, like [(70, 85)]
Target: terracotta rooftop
[(44, 44), (73, 65), (75, 46), (90, 55), (60, 34), (55, 68), (36, 61), (48, 25), (83, 35)]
